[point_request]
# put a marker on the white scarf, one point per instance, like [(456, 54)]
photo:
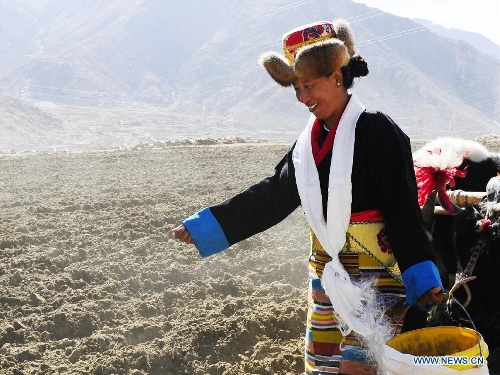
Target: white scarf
[(346, 298)]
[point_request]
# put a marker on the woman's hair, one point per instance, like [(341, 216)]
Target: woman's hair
[(357, 67)]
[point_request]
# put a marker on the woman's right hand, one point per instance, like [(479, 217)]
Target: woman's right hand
[(180, 233)]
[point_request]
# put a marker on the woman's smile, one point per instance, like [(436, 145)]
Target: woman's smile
[(313, 107)]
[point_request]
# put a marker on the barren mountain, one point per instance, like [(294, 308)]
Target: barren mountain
[(194, 63)]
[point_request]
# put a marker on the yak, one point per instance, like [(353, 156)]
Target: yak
[(466, 239)]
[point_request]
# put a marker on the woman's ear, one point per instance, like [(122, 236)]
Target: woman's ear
[(337, 77)]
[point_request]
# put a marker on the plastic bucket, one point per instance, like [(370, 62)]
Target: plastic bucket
[(442, 342)]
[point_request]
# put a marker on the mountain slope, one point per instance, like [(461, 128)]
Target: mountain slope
[(476, 40), (198, 59)]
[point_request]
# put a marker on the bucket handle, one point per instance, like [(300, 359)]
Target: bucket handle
[(470, 320), (450, 297)]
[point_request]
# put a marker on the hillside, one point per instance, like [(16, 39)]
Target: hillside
[(194, 65), (476, 40)]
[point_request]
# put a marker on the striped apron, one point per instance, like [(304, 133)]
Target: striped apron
[(366, 253)]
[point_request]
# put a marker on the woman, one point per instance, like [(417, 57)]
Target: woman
[(352, 172)]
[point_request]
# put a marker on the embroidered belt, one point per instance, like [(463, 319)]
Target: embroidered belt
[(361, 238), (369, 238)]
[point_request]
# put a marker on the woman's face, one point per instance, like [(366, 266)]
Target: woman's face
[(322, 95)]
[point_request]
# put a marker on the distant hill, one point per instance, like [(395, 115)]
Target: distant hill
[(478, 41), (23, 126), (193, 63)]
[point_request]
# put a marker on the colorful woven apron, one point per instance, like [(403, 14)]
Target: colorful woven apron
[(366, 253)]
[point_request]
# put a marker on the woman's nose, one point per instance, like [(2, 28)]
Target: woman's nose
[(301, 96)]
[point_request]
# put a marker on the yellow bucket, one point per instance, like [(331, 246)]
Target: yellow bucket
[(442, 342)]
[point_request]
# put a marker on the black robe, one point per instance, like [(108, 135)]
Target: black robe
[(382, 178)]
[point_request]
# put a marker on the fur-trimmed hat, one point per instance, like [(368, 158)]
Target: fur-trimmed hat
[(312, 50)]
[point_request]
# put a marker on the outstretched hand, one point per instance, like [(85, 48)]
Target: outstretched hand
[(431, 297), (180, 233)]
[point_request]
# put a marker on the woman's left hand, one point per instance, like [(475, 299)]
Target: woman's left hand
[(431, 297), (180, 233)]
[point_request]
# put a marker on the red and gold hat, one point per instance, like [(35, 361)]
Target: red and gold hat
[(312, 50), (304, 35)]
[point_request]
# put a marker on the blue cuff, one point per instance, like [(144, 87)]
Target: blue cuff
[(206, 232), (420, 278)]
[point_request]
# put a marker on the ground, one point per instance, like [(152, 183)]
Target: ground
[(92, 282)]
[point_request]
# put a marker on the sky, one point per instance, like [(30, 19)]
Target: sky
[(481, 16)]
